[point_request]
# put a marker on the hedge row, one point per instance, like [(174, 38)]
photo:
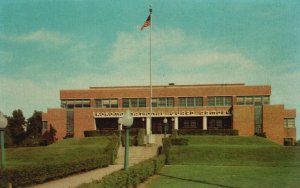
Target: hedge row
[(31, 175), (93, 133), (135, 175), (223, 132), (38, 174)]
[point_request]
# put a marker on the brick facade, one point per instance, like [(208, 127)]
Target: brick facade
[(206, 116)]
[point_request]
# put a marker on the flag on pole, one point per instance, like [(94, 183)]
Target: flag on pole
[(147, 23)]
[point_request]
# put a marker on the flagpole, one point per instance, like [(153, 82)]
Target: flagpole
[(150, 14)]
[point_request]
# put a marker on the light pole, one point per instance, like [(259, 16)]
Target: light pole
[(165, 127), (120, 129), (127, 121), (3, 124)]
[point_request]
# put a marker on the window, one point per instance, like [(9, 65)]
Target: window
[(228, 101), (250, 100), (211, 101), (240, 100), (106, 103), (266, 99), (133, 102), (163, 102), (258, 100), (289, 122), (190, 101), (78, 103), (220, 101), (198, 101), (182, 101)]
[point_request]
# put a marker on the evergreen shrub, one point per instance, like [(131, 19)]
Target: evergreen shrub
[(222, 132), (135, 175), (140, 137), (27, 176)]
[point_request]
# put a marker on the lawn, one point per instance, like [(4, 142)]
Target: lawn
[(230, 161), (178, 176), (59, 152)]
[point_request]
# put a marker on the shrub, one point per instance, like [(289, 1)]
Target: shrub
[(228, 132), (94, 133), (166, 147), (140, 137), (38, 174), (261, 134), (135, 175), (179, 141), (132, 140), (112, 148), (32, 142), (174, 133)]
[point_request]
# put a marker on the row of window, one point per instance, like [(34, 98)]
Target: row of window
[(83, 103), (252, 100), (219, 101), (289, 122), (167, 102)]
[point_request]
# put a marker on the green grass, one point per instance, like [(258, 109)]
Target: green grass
[(229, 140), (230, 161), (225, 176), (59, 152), (234, 150)]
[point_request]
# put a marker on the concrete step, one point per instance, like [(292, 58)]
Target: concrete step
[(137, 154)]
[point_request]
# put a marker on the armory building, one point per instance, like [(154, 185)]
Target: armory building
[(246, 109)]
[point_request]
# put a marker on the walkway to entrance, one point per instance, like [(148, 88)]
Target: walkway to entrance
[(136, 155)]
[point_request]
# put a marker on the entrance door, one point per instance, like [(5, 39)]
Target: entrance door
[(158, 125)]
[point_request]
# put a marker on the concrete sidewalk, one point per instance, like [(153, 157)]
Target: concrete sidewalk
[(137, 154), (78, 179)]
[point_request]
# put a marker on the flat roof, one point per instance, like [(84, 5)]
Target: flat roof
[(170, 85)]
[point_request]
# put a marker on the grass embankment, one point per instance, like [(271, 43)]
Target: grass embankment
[(59, 152), (225, 161), (222, 150)]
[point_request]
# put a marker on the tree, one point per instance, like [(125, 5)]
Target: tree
[(34, 125), (49, 135), (16, 125), (298, 143)]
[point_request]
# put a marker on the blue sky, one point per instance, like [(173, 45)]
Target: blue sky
[(48, 45)]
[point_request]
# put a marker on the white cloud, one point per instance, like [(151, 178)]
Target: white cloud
[(177, 58), (46, 38)]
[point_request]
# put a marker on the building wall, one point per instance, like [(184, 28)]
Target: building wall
[(166, 91), (242, 115), (243, 119), (83, 120), (58, 119), (273, 116), (290, 132)]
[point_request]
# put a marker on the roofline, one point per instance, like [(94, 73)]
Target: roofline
[(170, 85)]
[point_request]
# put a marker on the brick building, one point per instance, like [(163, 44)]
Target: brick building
[(211, 106)]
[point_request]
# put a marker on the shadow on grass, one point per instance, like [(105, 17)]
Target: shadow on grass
[(192, 180)]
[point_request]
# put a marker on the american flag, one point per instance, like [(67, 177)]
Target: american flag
[(147, 23)]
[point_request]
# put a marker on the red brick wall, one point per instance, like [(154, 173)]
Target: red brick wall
[(166, 91), (273, 122), (58, 119), (290, 133), (243, 119), (83, 120), (289, 113)]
